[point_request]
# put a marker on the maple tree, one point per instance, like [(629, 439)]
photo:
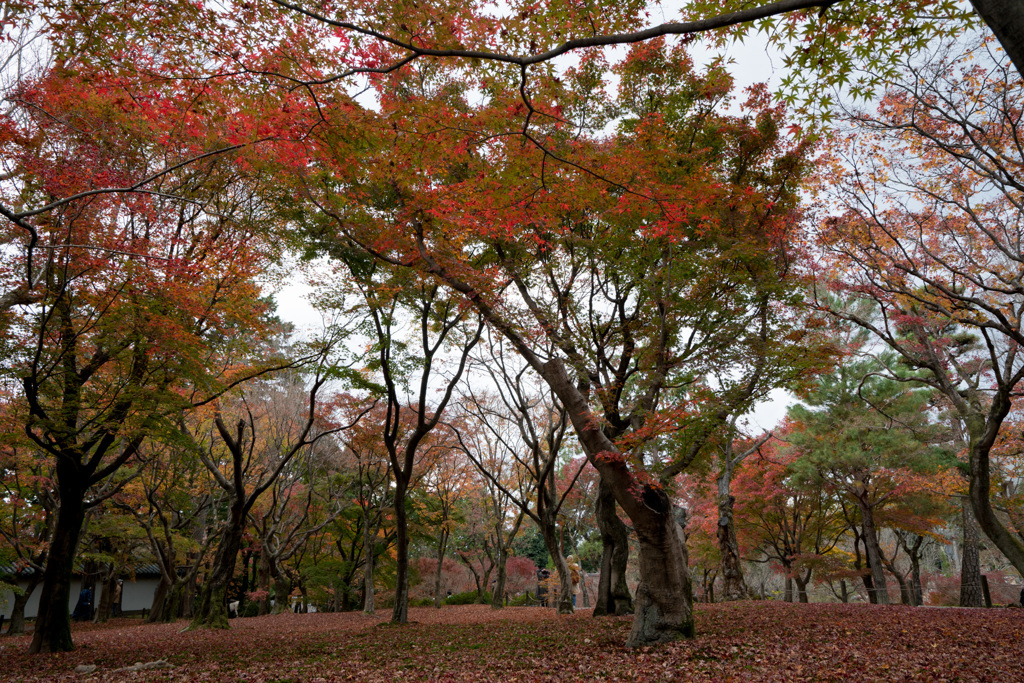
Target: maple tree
[(248, 457), (796, 525), (446, 484), (139, 293), (169, 499), (595, 248), (733, 586), (438, 323), (490, 510), (522, 428), (370, 469)]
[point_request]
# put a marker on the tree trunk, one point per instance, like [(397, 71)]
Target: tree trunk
[(983, 432), (787, 594), (873, 553), (17, 623), (282, 591), (106, 604), (906, 596), (664, 598), (188, 597), (906, 590), (550, 534), (247, 580), (709, 585), (369, 592), (913, 551), (801, 586), (53, 623), (213, 603), (1006, 19), (400, 614), (613, 598), (915, 581), (442, 547), (970, 565), (157, 607), (263, 583), (498, 595), (733, 586), (180, 598), (481, 591)]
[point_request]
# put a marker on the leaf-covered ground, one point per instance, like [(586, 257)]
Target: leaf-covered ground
[(750, 641)]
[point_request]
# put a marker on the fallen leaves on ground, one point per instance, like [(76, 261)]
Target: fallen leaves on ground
[(745, 641)]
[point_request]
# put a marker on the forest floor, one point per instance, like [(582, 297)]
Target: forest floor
[(746, 641)]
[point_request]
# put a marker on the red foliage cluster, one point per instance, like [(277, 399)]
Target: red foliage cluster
[(766, 641)]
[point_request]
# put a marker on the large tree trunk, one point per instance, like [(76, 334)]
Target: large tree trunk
[(400, 614), (733, 586), (801, 586), (180, 599), (970, 566), (613, 598), (873, 552), (282, 590), (158, 606), (213, 602), (664, 599), (53, 623), (663, 610)]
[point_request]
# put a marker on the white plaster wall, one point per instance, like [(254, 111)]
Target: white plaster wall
[(135, 596)]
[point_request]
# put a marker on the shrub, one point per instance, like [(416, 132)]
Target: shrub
[(467, 598), (523, 600)]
